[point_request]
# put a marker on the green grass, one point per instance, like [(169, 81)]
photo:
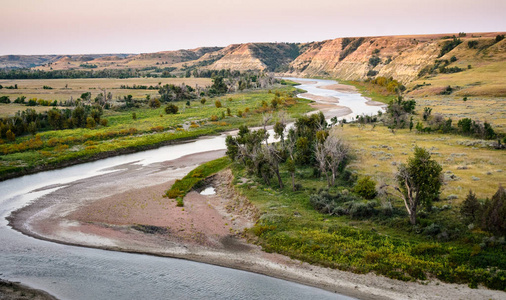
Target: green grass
[(152, 128), (181, 187), (373, 91), (290, 226)]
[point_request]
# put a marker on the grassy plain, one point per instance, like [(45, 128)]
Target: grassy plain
[(150, 128), (9, 110), (64, 89), (378, 152)]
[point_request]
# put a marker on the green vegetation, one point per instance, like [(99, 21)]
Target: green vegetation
[(152, 127), (369, 236), (379, 89), (332, 226), (349, 45), (181, 187), (419, 182), (450, 45)]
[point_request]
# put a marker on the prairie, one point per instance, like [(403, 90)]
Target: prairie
[(11, 109), (64, 89)]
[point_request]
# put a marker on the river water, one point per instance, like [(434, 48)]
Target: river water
[(70, 272)]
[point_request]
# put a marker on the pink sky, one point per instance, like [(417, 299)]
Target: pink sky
[(135, 26)]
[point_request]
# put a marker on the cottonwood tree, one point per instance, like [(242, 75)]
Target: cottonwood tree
[(419, 182), (336, 151)]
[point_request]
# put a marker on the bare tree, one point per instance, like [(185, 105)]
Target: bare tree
[(321, 158), (273, 158), (265, 120), (336, 151)]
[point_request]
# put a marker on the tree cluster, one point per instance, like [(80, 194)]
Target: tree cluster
[(392, 85), (465, 126), (29, 121), (398, 112), (308, 144), (55, 74), (490, 215)]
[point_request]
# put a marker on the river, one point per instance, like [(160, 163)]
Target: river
[(70, 272)]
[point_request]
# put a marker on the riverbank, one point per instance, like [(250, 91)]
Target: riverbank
[(16, 291), (208, 229)]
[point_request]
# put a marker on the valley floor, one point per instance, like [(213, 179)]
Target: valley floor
[(110, 215)]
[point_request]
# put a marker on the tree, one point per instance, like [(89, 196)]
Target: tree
[(86, 97), (470, 208), (494, 216), (419, 182), (336, 152)]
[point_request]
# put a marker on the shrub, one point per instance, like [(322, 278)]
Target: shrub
[(10, 135), (203, 101), (157, 128), (472, 44), (5, 99), (104, 122), (372, 73), (374, 61), (134, 116), (90, 122), (154, 103), (447, 91), (171, 109), (365, 187), (217, 103), (362, 210)]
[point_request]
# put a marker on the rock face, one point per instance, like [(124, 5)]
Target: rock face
[(354, 58), (239, 57), (402, 57)]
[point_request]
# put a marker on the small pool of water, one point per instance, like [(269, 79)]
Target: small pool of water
[(208, 191)]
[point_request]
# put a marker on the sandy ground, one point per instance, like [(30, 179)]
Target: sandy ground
[(340, 88), (127, 212)]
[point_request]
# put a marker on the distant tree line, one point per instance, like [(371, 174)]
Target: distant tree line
[(29, 121), (71, 74)]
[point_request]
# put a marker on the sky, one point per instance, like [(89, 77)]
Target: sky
[(141, 26)]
